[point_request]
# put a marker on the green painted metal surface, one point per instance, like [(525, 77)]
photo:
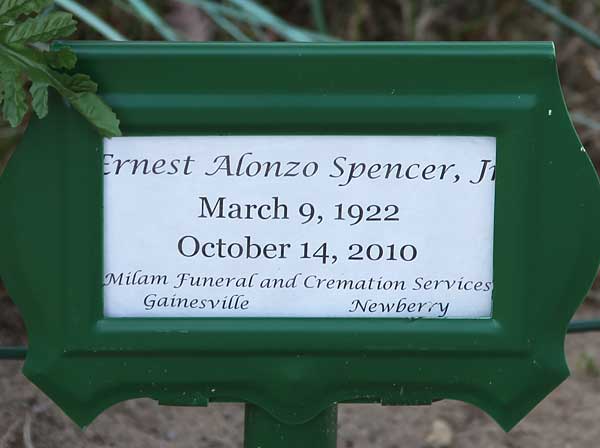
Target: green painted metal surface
[(546, 243), (262, 430)]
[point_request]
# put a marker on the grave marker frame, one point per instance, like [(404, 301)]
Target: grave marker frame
[(294, 371)]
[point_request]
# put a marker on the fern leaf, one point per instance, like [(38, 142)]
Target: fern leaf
[(97, 113), (63, 58), (41, 28), (14, 106), (13, 9), (39, 98)]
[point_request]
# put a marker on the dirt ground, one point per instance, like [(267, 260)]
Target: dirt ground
[(568, 418)]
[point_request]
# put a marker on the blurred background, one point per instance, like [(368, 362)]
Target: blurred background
[(568, 418)]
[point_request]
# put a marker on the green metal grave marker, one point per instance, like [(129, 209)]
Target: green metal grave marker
[(425, 158)]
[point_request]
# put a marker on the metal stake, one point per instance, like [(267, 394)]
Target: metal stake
[(264, 431)]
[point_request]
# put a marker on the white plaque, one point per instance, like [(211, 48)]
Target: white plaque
[(299, 226)]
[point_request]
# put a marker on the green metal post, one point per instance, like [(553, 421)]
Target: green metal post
[(264, 431), (13, 352)]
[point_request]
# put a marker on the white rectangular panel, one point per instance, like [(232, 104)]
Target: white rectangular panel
[(299, 226)]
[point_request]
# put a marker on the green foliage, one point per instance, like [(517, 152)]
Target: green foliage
[(40, 28), (252, 14), (39, 98), (26, 71), (14, 103), (62, 58), (11, 9)]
